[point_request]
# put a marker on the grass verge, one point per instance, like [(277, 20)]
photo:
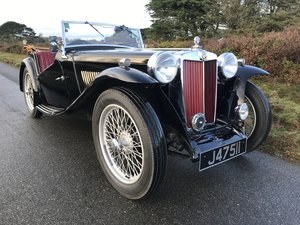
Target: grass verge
[(11, 58), (284, 138)]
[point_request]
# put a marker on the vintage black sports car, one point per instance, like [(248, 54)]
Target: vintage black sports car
[(146, 103)]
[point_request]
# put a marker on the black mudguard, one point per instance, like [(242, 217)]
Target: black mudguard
[(32, 69), (243, 74), (115, 77), (128, 75), (141, 84)]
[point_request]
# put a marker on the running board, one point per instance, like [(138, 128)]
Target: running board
[(50, 110)]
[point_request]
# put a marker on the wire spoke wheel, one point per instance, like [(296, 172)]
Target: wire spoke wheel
[(29, 94), (28, 91), (250, 122), (121, 144), (129, 142)]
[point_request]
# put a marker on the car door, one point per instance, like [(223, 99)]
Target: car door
[(53, 85), (72, 80)]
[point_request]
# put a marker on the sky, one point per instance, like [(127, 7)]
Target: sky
[(45, 16)]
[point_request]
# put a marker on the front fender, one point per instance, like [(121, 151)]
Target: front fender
[(243, 74), (128, 75), (141, 84), (249, 71), (31, 67), (114, 77)]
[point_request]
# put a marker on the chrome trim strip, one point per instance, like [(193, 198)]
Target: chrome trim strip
[(182, 87)]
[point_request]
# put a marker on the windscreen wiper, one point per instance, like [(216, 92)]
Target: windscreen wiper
[(94, 28)]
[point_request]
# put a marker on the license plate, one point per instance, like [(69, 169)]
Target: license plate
[(222, 154)]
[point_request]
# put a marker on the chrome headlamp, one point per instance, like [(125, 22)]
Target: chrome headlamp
[(164, 66), (228, 64)]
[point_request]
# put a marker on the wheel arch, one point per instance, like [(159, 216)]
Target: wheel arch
[(31, 67), (114, 77), (243, 74), (142, 85)]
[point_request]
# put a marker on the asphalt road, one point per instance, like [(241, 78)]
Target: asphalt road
[(49, 174)]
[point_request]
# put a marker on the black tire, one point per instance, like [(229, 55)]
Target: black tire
[(259, 121), (29, 95), (125, 127)]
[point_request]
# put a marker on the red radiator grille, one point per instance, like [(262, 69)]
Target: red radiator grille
[(199, 88)]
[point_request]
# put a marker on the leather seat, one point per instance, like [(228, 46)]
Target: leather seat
[(44, 60)]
